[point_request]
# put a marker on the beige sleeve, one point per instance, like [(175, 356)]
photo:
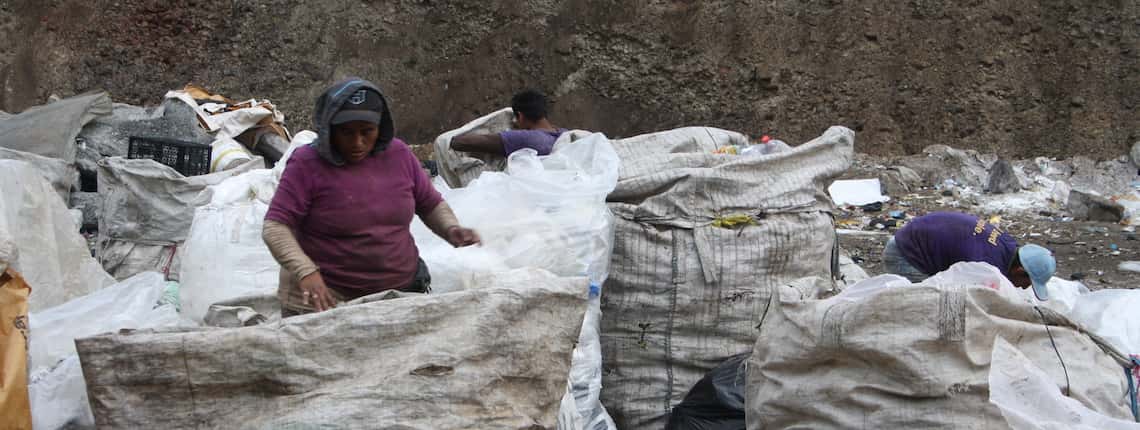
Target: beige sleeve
[(285, 248), (440, 219)]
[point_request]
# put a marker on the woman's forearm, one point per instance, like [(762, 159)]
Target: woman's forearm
[(285, 248), (440, 219)]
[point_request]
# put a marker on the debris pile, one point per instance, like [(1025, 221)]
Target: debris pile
[(621, 284)]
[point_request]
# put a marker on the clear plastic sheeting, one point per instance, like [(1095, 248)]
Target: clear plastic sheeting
[(1029, 400), (545, 213), (586, 372), (56, 385), (38, 238)]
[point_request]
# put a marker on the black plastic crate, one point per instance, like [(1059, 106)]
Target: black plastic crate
[(188, 158)]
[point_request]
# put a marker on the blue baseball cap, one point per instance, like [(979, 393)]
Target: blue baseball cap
[(1040, 265)]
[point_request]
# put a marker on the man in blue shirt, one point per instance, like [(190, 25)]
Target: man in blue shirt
[(932, 243), (532, 129)]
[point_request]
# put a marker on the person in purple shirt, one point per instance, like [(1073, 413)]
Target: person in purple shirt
[(532, 129), (339, 221), (932, 243)]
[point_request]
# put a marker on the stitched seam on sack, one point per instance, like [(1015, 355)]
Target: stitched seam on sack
[(189, 384), (669, 330)]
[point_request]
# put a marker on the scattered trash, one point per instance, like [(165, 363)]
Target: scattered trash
[(856, 192), (1095, 229), (1113, 247), (225, 117), (1129, 266), (872, 207), (881, 223), (844, 231), (898, 214)]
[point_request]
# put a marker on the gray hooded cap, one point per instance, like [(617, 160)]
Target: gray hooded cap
[(329, 103)]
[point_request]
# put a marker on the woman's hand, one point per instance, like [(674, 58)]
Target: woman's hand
[(461, 236), (316, 293)]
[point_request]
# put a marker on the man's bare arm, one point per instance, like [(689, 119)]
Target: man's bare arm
[(486, 143)]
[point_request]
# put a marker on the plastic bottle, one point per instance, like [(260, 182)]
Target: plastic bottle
[(766, 146)]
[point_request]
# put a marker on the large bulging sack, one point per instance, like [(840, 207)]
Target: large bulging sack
[(684, 294), (147, 212), (888, 354), (491, 358), (460, 168), (39, 238), (15, 409), (49, 130), (224, 256), (62, 175)]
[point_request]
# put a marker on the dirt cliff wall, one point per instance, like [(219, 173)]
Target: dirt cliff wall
[(1017, 77)]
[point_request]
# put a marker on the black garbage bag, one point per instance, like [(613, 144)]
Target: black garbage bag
[(716, 402)]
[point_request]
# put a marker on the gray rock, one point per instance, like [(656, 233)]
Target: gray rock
[(1091, 207), (899, 180), (86, 160), (938, 163), (1003, 179), (91, 204), (1136, 154)]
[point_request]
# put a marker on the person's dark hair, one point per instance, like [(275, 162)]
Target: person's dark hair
[(531, 103)]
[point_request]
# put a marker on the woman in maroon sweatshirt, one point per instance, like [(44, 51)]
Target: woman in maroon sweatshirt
[(339, 222)]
